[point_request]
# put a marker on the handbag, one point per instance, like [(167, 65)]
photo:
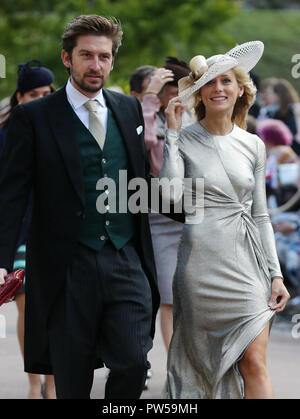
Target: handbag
[(13, 282)]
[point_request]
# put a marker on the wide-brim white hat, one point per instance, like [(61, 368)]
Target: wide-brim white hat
[(245, 55)]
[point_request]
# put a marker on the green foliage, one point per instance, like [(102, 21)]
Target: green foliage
[(272, 4), (280, 32), (152, 29)]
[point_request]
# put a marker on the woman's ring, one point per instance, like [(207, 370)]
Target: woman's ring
[(163, 76)]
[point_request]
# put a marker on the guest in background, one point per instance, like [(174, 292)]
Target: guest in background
[(34, 82), (255, 107), (285, 107), (140, 79), (282, 185), (278, 139), (266, 93), (251, 124)]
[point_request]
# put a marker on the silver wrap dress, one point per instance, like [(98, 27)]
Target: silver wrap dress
[(225, 263)]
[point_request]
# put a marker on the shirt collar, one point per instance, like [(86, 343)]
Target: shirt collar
[(77, 99)]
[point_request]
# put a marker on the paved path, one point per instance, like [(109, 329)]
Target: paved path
[(283, 361)]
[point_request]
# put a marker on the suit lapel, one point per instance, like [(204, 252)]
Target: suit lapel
[(127, 126), (59, 112)]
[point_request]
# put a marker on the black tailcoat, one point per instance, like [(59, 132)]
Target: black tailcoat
[(42, 153)]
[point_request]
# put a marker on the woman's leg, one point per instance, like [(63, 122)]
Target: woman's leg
[(34, 379), (166, 322), (253, 367)]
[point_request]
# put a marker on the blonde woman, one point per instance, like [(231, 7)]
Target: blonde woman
[(228, 284)]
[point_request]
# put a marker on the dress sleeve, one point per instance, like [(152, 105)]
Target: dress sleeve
[(173, 165), (260, 212)]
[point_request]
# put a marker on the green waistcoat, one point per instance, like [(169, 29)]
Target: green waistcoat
[(100, 222)]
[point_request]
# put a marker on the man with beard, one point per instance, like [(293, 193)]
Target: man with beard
[(91, 295)]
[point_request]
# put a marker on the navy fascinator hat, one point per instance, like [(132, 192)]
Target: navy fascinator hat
[(31, 77)]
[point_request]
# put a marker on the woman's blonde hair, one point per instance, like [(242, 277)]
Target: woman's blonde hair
[(242, 104)]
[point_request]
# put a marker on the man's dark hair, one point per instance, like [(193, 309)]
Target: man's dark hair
[(139, 75), (255, 78), (180, 69), (92, 25)]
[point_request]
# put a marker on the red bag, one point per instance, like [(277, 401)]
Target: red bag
[(13, 282)]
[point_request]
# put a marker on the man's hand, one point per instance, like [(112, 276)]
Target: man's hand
[(3, 273)]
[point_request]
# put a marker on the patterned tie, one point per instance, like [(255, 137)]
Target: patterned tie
[(95, 125)]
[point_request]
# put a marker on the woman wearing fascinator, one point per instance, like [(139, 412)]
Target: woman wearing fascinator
[(228, 284)]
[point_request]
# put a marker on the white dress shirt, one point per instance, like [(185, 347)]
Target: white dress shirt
[(77, 101)]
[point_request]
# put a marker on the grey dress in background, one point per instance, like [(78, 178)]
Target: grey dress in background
[(222, 282)]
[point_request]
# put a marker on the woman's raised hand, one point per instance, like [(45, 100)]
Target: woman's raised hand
[(174, 113), (159, 79)]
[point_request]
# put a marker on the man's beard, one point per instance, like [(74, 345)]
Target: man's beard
[(87, 87)]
